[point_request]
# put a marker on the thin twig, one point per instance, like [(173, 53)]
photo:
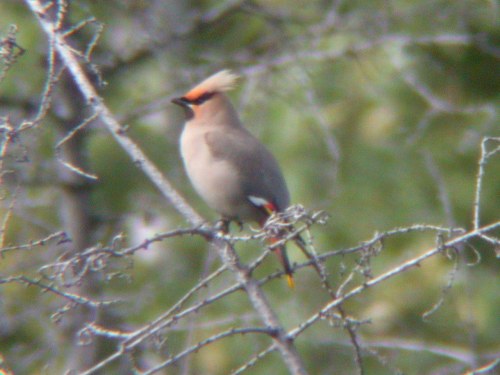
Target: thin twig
[(485, 155)]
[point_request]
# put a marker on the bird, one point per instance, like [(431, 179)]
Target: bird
[(231, 170)]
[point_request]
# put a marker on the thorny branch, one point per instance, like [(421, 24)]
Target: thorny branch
[(10, 51), (55, 277), (486, 154), (70, 297), (174, 315), (287, 350), (324, 312)]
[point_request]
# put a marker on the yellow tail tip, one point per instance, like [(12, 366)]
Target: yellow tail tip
[(290, 281)]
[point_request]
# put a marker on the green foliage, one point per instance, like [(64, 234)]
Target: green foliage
[(309, 89)]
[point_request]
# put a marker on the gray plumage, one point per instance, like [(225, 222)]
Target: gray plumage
[(227, 164), (230, 169)]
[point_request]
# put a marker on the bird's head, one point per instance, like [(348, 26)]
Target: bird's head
[(208, 96)]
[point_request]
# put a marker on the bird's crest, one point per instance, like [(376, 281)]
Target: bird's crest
[(218, 82)]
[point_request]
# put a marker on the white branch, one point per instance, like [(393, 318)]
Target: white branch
[(258, 299)]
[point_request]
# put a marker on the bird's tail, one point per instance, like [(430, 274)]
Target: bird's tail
[(270, 208), (283, 258)]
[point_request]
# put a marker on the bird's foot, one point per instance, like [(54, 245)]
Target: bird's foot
[(222, 225), (240, 224)]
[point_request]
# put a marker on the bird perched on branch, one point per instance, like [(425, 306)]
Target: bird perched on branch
[(230, 169)]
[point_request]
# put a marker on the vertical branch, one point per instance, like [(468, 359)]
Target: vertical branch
[(485, 155), (259, 302)]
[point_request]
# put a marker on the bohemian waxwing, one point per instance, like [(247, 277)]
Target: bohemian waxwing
[(229, 168)]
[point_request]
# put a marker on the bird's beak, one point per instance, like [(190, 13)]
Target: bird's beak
[(186, 105), (181, 102)]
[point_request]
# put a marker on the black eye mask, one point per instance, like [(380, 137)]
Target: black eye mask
[(201, 99)]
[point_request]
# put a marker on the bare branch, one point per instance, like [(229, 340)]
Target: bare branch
[(485, 369), (485, 155), (415, 262), (71, 134), (10, 51), (60, 237), (197, 316), (71, 297), (287, 350)]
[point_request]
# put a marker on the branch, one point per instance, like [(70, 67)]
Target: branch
[(412, 263), (485, 155), (415, 262), (259, 301), (85, 86)]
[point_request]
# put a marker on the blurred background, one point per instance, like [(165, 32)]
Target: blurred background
[(375, 109)]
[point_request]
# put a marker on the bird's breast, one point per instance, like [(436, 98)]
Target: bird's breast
[(216, 180)]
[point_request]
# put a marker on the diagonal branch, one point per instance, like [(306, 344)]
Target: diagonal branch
[(257, 297)]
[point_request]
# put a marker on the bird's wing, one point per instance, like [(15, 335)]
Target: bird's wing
[(260, 174)]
